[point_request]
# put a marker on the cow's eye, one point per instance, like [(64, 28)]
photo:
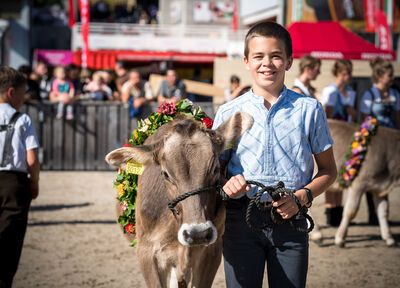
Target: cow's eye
[(165, 175)]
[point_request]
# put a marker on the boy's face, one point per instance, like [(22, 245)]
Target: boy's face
[(267, 62)]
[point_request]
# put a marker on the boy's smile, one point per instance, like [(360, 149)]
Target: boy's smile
[(267, 62)]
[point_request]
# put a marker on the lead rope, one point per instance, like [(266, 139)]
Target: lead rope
[(276, 192)]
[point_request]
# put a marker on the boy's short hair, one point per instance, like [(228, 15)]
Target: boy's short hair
[(10, 77), (269, 29)]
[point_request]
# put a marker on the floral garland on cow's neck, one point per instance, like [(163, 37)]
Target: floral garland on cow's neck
[(126, 181), (357, 152)]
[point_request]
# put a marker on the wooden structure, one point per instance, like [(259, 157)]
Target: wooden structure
[(82, 143)]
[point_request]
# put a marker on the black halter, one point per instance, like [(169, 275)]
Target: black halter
[(276, 192), (174, 202)]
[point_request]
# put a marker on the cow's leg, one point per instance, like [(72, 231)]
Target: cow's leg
[(382, 210), (350, 211), (206, 267), (316, 234), (148, 265)]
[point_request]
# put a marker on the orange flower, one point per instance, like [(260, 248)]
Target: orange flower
[(352, 171)]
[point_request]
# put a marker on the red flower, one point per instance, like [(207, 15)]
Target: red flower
[(127, 145), (130, 228), (167, 108), (208, 122)]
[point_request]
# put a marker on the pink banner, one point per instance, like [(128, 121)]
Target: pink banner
[(85, 23), (54, 57), (383, 31)]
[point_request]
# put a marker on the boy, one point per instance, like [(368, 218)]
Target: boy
[(288, 130), (18, 157)]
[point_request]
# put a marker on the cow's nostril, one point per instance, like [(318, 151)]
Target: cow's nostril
[(209, 235)]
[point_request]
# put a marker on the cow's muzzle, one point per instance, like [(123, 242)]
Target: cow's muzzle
[(197, 234)]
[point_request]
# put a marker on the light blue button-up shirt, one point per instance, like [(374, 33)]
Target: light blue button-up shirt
[(281, 143)]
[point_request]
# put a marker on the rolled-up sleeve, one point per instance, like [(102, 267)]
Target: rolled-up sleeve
[(31, 140)]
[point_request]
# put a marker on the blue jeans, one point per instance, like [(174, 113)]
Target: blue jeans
[(283, 249)]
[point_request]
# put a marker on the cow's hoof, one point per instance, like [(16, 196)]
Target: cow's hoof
[(318, 242), (391, 242), (339, 243), (316, 237)]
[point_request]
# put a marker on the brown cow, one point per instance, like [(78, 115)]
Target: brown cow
[(379, 174), (180, 249)]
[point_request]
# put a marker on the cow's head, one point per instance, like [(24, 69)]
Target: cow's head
[(188, 157)]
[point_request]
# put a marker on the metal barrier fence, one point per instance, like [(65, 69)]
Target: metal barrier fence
[(82, 143)]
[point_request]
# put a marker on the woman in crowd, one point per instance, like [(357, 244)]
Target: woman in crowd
[(381, 100), (309, 71), (339, 100)]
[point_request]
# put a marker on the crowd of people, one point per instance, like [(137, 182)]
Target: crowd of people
[(69, 84), (56, 13), (381, 100)]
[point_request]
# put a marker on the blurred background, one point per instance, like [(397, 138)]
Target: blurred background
[(201, 40)]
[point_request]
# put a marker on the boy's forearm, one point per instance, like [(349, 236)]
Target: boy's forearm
[(33, 165), (320, 183), (325, 176)]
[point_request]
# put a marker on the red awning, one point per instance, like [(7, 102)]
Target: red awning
[(105, 59), (330, 40)]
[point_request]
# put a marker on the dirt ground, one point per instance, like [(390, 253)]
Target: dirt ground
[(73, 241)]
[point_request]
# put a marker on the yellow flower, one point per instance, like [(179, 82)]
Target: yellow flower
[(135, 134), (354, 145), (120, 189)]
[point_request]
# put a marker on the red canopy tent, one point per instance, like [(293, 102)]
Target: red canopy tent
[(330, 40)]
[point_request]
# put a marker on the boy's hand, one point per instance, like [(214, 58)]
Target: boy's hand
[(236, 187), (286, 207), (34, 189)]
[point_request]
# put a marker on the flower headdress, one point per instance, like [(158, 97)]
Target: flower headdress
[(126, 181), (357, 152)]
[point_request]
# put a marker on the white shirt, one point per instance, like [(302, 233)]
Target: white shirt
[(24, 139), (329, 96), (302, 87)]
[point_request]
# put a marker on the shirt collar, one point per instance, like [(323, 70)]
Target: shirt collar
[(260, 100)]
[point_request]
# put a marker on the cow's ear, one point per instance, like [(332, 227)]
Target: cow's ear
[(233, 128), (144, 154)]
